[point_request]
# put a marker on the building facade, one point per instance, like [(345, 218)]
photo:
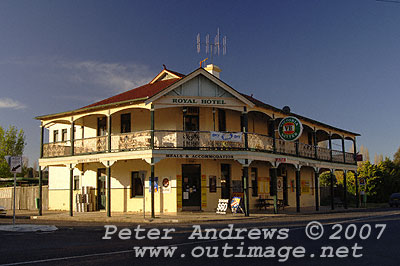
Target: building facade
[(196, 139)]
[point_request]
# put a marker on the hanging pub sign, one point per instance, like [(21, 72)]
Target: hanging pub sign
[(290, 128)]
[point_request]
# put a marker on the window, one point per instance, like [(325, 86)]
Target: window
[(76, 182), (191, 118), (254, 184), (55, 135), (125, 123), (64, 135), (136, 185), (271, 128), (101, 126), (221, 120), (212, 184), (310, 138)]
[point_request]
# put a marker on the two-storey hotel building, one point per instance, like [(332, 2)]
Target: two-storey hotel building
[(196, 139)]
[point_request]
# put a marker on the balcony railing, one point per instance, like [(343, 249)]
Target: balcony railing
[(90, 145), (164, 139), (195, 140)]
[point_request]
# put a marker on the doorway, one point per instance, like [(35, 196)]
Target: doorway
[(191, 187), (101, 189), (191, 137), (225, 181)]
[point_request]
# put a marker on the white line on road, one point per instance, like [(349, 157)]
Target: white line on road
[(67, 258)]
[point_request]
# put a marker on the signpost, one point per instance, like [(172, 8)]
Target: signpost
[(363, 193), (15, 164)]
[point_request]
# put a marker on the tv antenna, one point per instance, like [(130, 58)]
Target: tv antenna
[(212, 48)]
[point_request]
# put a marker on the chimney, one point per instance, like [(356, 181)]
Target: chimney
[(213, 69)]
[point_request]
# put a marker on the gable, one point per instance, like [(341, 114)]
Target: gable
[(200, 88)]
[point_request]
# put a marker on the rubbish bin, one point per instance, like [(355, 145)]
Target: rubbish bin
[(37, 203)]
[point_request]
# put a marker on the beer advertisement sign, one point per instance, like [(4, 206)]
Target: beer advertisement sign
[(290, 128)]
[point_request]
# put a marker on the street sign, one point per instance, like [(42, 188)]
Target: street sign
[(16, 164)]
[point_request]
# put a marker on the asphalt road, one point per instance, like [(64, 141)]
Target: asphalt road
[(362, 239)]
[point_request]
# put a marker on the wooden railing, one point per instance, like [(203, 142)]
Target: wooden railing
[(196, 140)]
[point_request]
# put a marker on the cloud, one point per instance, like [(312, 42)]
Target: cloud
[(82, 81), (11, 104), (115, 76)]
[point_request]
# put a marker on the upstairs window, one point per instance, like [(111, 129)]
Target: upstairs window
[(101, 126), (64, 135), (310, 138), (125, 123), (55, 135), (221, 120)]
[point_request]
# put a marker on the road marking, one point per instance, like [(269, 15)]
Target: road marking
[(67, 258), (351, 220)]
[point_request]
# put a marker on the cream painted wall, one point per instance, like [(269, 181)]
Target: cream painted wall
[(169, 168), (60, 127), (59, 185)]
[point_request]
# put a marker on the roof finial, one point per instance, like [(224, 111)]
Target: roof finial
[(164, 66)]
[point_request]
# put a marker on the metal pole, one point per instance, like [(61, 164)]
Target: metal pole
[(316, 185), (152, 189), (344, 151), (152, 127), (298, 190), (40, 191), (345, 188), (71, 193), (332, 192), (272, 128), (72, 137), (357, 195), (15, 185), (109, 133), (246, 190), (274, 189), (315, 144), (330, 147), (144, 198), (108, 190), (40, 172)]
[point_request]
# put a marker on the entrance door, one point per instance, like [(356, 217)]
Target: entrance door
[(101, 189), (191, 187), (225, 181)]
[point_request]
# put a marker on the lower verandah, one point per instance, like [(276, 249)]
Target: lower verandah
[(173, 198)]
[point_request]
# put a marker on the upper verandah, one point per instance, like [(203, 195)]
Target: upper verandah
[(167, 82)]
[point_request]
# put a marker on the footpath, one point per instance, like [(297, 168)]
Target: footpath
[(287, 215)]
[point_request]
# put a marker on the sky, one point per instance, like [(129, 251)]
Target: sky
[(335, 61)]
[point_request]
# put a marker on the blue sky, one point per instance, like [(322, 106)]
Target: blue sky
[(334, 61)]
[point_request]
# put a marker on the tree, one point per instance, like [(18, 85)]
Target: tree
[(12, 142), (325, 179), (364, 152), (396, 157)]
